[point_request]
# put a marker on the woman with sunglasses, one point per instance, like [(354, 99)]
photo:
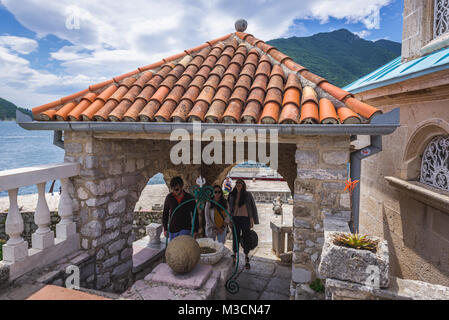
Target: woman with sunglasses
[(216, 219), (242, 208)]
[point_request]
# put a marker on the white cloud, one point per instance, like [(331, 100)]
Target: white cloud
[(362, 34), (115, 37), (19, 44)]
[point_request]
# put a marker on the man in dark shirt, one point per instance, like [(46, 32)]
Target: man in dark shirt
[(181, 221)]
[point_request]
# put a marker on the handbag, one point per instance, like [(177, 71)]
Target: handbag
[(253, 240)]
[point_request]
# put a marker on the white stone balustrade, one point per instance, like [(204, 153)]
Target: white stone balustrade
[(154, 231), (45, 247)]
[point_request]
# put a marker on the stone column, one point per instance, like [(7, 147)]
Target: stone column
[(319, 190), (104, 195)]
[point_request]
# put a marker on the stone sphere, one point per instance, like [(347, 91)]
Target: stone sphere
[(182, 254), (240, 25)]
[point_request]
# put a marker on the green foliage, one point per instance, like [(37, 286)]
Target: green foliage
[(317, 285), (8, 110), (339, 56), (2, 242), (355, 241)]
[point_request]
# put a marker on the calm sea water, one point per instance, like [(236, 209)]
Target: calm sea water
[(22, 148)]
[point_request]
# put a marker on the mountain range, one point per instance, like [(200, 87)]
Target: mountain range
[(339, 56)]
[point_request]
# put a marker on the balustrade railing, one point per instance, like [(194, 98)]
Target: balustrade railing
[(43, 241)]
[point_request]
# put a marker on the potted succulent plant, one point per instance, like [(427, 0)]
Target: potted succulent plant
[(356, 258)]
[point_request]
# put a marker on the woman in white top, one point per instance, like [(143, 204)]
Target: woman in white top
[(216, 219)]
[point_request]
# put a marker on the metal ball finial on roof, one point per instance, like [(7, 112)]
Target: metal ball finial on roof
[(240, 25)]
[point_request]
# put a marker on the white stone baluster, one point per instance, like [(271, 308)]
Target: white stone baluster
[(43, 237), (66, 227), (16, 248)]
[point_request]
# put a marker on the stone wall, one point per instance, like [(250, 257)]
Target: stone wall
[(416, 231), (319, 191)]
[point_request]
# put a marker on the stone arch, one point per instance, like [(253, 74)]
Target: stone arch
[(421, 137)]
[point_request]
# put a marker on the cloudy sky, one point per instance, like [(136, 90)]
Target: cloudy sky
[(49, 49)]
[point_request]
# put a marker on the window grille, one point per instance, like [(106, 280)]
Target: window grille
[(440, 18), (435, 164)]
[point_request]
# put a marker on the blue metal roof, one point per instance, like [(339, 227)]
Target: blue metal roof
[(396, 71)]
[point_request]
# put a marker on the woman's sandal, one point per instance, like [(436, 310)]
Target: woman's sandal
[(247, 265)]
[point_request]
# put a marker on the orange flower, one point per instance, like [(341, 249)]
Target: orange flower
[(350, 185)]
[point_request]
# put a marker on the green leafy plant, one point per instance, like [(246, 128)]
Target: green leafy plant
[(355, 241), (317, 285), (2, 242)]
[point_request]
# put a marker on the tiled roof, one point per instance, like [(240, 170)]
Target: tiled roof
[(232, 79)]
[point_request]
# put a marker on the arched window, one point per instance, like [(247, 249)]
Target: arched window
[(435, 163), (440, 18)]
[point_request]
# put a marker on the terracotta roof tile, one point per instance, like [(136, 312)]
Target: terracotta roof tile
[(244, 81), (100, 85), (128, 82), (270, 114), (88, 114), (219, 81), (309, 113), (365, 110), (165, 111), (228, 52), (174, 57), (47, 115), (233, 112), (334, 91), (248, 69), (291, 96), (309, 94), (120, 110), (198, 81), (182, 110), (143, 79), (224, 61), (219, 70), (146, 93), (216, 110), (289, 114), (312, 77), (273, 95), (293, 82), (279, 56), (151, 66), (227, 81), (175, 94), (62, 114), (103, 113), (347, 116), (256, 94), (294, 66), (74, 115), (204, 72), (132, 94), (184, 81), (148, 112), (240, 94), (223, 94), (160, 94), (212, 81), (260, 81), (45, 107), (252, 112), (126, 75), (328, 115), (200, 47), (198, 111)]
